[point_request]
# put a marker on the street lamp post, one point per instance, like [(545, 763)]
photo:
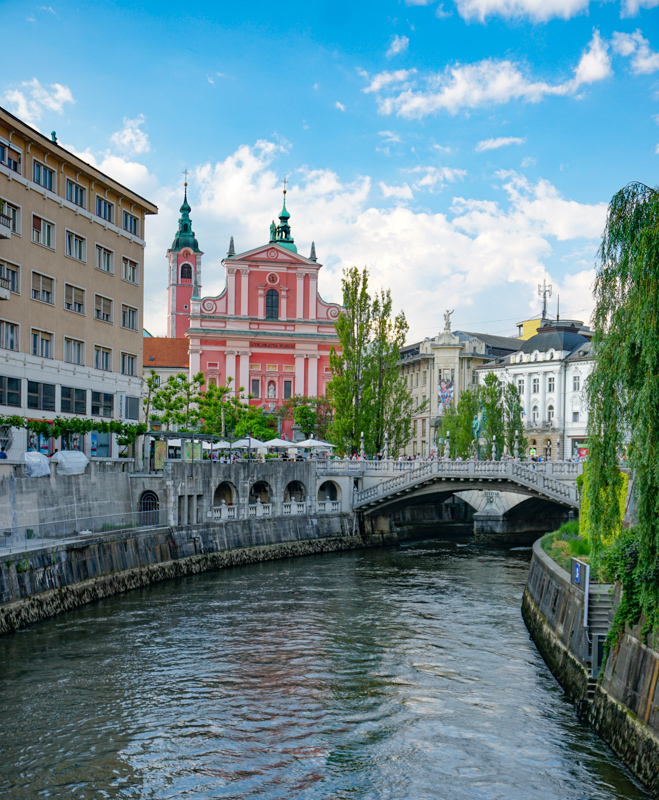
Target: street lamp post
[(361, 445), (516, 445), (447, 445), (386, 446), (494, 447)]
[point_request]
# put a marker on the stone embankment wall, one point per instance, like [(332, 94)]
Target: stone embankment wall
[(40, 583), (624, 706)]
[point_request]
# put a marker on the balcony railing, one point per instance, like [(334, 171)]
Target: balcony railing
[(5, 221)]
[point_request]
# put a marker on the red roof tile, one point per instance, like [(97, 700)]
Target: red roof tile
[(164, 352)]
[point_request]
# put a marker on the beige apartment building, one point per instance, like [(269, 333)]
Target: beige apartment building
[(71, 290)]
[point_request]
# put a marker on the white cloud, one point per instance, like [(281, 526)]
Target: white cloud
[(441, 148), (32, 98), (537, 10), (435, 178), (131, 138), (399, 44), (440, 13), (478, 253), (528, 161), (634, 46), (495, 144), (630, 8), (340, 106), (386, 78), (488, 82), (390, 136), (403, 192)]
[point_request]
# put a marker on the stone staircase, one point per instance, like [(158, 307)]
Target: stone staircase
[(600, 617)]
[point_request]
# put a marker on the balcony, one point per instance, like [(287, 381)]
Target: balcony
[(5, 288), (5, 226)]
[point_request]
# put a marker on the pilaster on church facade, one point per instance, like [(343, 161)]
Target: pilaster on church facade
[(269, 331)]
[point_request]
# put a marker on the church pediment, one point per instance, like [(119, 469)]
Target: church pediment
[(271, 254)]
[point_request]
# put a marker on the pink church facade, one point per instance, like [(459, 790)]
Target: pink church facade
[(268, 330)]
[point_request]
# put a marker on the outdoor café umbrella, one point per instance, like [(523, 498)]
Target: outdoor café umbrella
[(279, 443), (316, 443), (247, 442)]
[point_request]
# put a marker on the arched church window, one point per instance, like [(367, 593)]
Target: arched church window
[(272, 304), (186, 272)]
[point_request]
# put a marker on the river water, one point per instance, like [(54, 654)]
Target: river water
[(401, 673)]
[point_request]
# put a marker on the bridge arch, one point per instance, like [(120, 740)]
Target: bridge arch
[(260, 491), (329, 490), (295, 491), (226, 492)]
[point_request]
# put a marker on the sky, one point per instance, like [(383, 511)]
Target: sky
[(463, 151)]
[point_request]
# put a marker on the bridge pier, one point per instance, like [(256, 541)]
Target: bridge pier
[(519, 526)]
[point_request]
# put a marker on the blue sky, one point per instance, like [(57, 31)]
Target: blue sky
[(460, 150)]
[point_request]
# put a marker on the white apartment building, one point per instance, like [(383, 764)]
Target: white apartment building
[(71, 291), (550, 371)]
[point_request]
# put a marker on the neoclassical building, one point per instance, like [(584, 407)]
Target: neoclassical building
[(269, 330), (550, 371)]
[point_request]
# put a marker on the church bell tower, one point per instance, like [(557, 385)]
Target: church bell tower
[(184, 261)]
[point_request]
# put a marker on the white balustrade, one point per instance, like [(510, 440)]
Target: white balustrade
[(286, 508), (301, 507)]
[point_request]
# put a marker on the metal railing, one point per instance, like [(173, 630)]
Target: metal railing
[(5, 220), (37, 533), (523, 475)]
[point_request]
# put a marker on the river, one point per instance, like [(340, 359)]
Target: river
[(397, 674)]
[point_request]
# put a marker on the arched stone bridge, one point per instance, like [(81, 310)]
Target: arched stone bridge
[(555, 482)]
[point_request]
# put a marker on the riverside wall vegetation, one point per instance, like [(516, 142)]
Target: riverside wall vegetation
[(46, 581), (623, 706)]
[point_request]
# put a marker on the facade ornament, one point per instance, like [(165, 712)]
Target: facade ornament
[(447, 321), (232, 249), (312, 254)]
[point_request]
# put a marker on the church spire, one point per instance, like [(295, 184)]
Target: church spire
[(282, 232), (185, 236)]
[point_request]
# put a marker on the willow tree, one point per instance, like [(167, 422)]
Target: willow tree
[(623, 389)]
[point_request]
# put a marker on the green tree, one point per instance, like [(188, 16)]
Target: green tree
[(512, 415), (491, 398), (348, 386), (312, 414), (623, 389), (391, 406), (152, 383), (457, 423), (177, 400), (213, 408), (367, 391)]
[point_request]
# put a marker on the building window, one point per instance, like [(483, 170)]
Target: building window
[(12, 274), (256, 387), (128, 317), (42, 175), (104, 210), (575, 416), (74, 299), (423, 381), (423, 427), (129, 270), (43, 232), (576, 383), (8, 335), (130, 223), (74, 401), (76, 194), (76, 246), (42, 288), (550, 413), (74, 351), (186, 273), (128, 363), (102, 308), (288, 389), (550, 383), (14, 214), (520, 386), (102, 404), (10, 391), (102, 358), (272, 304), (535, 415), (41, 396), (11, 157), (132, 407), (536, 385), (104, 259), (417, 379), (42, 344)]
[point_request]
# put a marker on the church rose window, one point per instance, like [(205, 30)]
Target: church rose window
[(272, 304)]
